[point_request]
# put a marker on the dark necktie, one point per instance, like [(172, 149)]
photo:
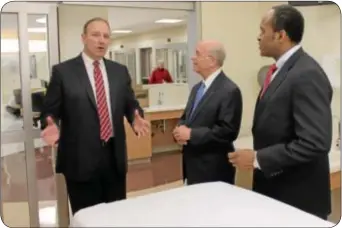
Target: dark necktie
[(268, 78), (102, 107)]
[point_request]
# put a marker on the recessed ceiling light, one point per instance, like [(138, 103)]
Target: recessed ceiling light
[(37, 30), (168, 21), (121, 31), (41, 20)]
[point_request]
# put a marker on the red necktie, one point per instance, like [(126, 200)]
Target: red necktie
[(102, 107), (267, 81)]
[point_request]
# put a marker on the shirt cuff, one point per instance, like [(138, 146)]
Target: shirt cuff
[(256, 163)]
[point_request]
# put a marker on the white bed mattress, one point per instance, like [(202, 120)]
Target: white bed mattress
[(210, 205)]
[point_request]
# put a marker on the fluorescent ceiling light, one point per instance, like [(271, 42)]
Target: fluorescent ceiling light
[(168, 21), (37, 30), (121, 31), (41, 20)]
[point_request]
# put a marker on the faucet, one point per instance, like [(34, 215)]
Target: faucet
[(160, 98)]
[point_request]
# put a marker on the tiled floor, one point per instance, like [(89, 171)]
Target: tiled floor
[(16, 213), (163, 172), (163, 168)]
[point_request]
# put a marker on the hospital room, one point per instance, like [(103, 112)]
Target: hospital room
[(174, 167)]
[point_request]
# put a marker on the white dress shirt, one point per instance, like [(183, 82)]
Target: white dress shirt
[(280, 63), (88, 62), (209, 80)]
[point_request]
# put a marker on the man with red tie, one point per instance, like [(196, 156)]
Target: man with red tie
[(292, 127), (84, 109)]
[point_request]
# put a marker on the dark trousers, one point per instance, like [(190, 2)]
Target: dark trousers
[(107, 186), (324, 217)]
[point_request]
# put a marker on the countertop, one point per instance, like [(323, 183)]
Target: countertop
[(163, 108)]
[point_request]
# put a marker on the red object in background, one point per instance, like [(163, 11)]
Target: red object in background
[(160, 75)]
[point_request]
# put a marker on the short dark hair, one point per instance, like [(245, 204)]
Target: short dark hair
[(85, 26), (289, 19)]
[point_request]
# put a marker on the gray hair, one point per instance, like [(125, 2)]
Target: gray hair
[(218, 53)]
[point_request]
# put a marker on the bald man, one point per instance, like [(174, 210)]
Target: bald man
[(211, 120)]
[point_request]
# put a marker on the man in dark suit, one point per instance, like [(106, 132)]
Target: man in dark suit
[(90, 96), (211, 119), (292, 128)]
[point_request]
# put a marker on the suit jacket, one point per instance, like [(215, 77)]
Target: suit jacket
[(292, 134), (71, 100), (215, 124)]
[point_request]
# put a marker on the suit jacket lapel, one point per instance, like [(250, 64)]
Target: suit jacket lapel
[(83, 76), (276, 82), (206, 97), (256, 108), (191, 102)]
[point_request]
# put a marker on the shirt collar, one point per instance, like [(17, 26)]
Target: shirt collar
[(89, 61), (281, 61), (209, 80)]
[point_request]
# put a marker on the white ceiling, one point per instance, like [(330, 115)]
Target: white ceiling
[(142, 20), (136, 19)]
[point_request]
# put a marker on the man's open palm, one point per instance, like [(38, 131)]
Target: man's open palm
[(140, 125)]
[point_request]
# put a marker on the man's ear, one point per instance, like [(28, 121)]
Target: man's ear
[(83, 37), (282, 35)]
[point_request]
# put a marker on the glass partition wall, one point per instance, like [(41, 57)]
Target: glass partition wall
[(142, 61), (127, 58), (28, 49)]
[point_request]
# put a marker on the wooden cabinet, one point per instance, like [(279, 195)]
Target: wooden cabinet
[(137, 148), (160, 139), (335, 180)]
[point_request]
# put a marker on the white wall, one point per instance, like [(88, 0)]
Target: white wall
[(322, 39), (239, 36), (71, 21)]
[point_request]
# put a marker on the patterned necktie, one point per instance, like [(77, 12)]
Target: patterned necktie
[(102, 107), (268, 78), (198, 98)]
